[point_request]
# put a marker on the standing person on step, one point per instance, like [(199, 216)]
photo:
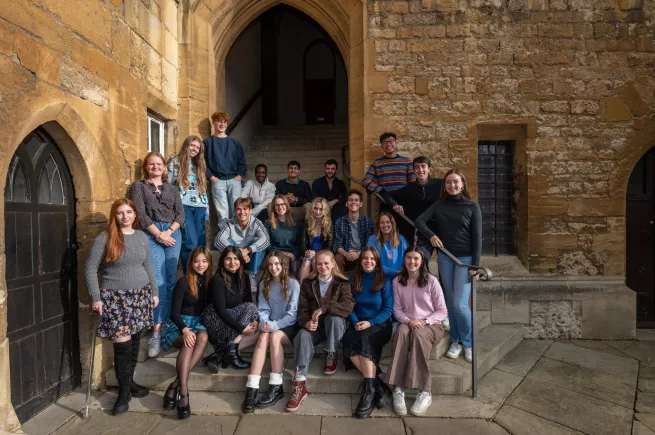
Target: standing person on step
[(246, 233), (325, 303), (332, 189), (319, 234), (296, 190), (260, 191), (286, 234), (231, 318), (351, 232), (389, 244), (370, 329), (419, 308), (278, 306), (458, 224), (184, 329), (126, 294), (183, 170), (226, 166), (161, 215)]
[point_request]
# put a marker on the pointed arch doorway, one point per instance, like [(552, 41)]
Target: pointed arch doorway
[(40, 246)]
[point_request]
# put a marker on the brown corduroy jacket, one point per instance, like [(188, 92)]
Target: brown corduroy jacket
[(338, 300)]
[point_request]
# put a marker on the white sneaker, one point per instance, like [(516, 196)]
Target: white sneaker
[(446, 324), (423, 402), (468, 354), (399, 402), (154, 345), (454, 351)]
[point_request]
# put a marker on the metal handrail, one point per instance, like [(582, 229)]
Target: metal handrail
[(242, 113), (475, 271)]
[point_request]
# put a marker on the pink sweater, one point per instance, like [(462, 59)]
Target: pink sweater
[(426, 303)]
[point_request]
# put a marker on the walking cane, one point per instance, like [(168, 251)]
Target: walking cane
[(96, 321)]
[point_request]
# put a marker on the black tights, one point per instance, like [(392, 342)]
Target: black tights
[(187, 359)]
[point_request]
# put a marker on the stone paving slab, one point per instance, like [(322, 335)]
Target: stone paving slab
[(624, 368), (102, 422), (643, 351), (583, 381), (647, 419), (521, 359), (314, 404), (353, 426), (497, 385), (571, 409), (647, 385), (647, 370), (422, 426), (202, 402), (279, 424), (638, 428), (645, 402), (599, 345), (517, 422), (196, 425)]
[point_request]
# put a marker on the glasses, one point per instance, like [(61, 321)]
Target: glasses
[(388, 142)]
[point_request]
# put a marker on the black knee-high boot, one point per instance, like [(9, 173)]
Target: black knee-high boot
[(232, 358), (135, 389), (123, 369)]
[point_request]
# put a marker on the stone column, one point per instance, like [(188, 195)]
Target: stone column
[(8, 420)]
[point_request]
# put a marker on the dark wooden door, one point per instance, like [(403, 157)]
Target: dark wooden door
[(42, 293), (640, 248)]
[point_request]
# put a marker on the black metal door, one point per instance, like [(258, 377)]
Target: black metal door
[(496, 196), (640, 248), (41, 263)]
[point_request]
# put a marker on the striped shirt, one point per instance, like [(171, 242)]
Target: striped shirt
[(390, 174)]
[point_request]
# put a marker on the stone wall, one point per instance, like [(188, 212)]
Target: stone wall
[(575, 77)]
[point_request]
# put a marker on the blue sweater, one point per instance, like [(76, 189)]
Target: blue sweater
[(225, 157), (375, 307), (391, 258), (278, 312)]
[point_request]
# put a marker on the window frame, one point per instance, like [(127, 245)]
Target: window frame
[(162, 128)]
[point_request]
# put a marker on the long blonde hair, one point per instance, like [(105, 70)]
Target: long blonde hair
[(192, 275), (394, 240), (273, 218), (284, 276), (335, 271), (144, 165), (326, 220), (199, 163)]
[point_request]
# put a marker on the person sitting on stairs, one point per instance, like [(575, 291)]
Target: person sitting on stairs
[(231, 318), (297, 191), (184, 330), (325, 303), (278, 306)]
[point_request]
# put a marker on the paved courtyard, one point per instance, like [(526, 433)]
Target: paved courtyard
[(541, 387)]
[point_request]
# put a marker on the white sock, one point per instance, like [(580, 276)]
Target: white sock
[(253, 381), (275, 379), (301, 378)]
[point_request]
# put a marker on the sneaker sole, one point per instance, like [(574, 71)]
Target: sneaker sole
[(329, 373), (418, 414), (297, 407), (452, 356), (400, 412)]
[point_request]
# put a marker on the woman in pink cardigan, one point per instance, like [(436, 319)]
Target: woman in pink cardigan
[(419, 307)]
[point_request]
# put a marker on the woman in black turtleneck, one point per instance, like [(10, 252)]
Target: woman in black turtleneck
[(459, 230), (231, 317)]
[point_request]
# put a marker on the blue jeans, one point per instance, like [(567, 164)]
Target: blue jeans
[(164, 260), (224, 193), (426, 247), (193, 231), (457, 289)]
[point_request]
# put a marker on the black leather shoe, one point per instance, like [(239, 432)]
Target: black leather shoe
[(366, 400), (383, 394), (183, 411), (270, 398), (170, 400), (232, 358), (250, 400), (213, 361)]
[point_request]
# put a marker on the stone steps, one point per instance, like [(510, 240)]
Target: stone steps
[(449, 376)]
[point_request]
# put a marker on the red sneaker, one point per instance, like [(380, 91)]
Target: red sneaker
[(330, 364), (298, 394)]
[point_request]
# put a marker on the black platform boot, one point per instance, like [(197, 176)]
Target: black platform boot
[(250, 400), (232, 358), (383, 393), (213, 361), (135, 389), (366, 400), (274, 393), (123, 369)]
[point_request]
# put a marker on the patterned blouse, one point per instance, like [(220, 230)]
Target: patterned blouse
[(190, 196), (152, 206)]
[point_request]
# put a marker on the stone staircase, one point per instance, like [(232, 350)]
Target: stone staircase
[(310, 145), (448, 376)]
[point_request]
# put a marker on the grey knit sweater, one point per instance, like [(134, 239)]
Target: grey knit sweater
[(132, 270)]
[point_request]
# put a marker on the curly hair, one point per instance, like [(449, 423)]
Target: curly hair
[(326, 219)]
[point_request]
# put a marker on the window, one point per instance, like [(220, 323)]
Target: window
[(156, 135)]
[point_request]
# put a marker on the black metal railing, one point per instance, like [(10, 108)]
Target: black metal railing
[(474, 270), (237, 119)]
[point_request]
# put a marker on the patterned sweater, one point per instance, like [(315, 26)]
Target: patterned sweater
[(390, 174)]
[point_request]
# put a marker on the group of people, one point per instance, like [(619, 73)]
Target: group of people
[(303, 296)]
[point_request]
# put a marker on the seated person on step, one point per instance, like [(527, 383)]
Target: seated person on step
[(325, 303), (419, 307), (319, 234), (296, 190), (332, 189), (285, 233), (278, 306), (351, 232), (246, 233), (389, 244), (260, 191)]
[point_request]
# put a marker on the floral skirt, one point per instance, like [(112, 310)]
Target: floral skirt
[(170, 331), (125, 312), (220, 333), (367, 343)]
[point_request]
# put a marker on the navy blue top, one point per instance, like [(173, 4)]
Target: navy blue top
[(375, 307), (320, 188), (225, 157), (317, 243)]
